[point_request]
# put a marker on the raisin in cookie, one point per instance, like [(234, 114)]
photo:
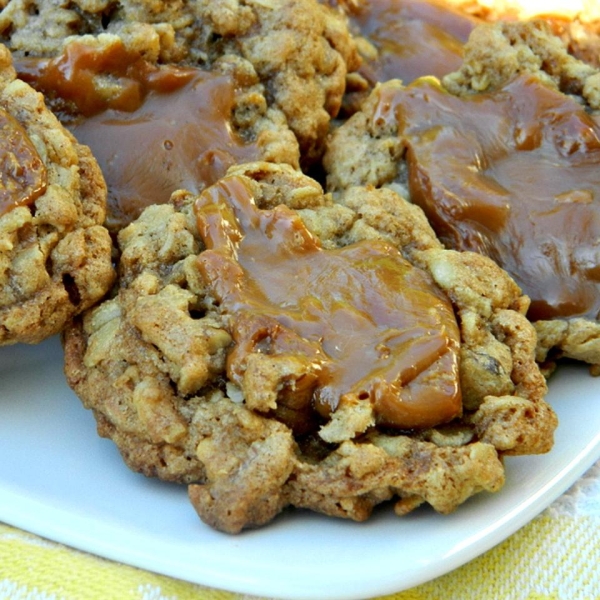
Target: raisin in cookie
[(55, 255), (270, 347), (299, 52), (503, 157)]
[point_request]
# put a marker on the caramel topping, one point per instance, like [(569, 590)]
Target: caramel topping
[(153, 130), (23, 176), (364, 321), (91, 80), (514, 174), (413, 38)]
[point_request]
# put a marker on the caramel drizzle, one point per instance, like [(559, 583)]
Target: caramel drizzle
[(513, 174), (364, 322), (23, 175)]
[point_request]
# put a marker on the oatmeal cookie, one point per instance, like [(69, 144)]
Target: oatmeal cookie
[(299, 52), (503, 157), (225, 363), (496, 53), (577, 24), (156, 129), (55, 255)]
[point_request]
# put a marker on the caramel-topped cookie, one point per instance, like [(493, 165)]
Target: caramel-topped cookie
[(270, 348), (153, 129), (55, 255), (514, 175), (289, 60), (505, 165), (576, 23), (367, 325)]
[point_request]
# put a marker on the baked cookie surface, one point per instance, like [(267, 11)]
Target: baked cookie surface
[(498, 52), (296, 55), (578, 25), (516, 123), (195, 387), (55, 255)]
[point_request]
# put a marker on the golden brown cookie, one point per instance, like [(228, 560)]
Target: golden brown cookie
[(295, 54), (496, 53), (503, 157), (55, 255), (576, 23), (331, 362), (155, 129)]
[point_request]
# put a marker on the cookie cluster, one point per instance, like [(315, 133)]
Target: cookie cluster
[(303, 254)]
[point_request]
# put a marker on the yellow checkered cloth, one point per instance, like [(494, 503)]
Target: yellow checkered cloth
[(555, 557)]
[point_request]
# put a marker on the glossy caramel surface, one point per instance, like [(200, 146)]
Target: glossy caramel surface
[(514, 174), (23, 176), (413, 38), (365, 323), (153, 130)]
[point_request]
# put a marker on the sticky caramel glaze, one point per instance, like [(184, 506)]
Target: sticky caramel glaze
[(413, 37), (73, 77), (514, 174), (365, 322), (152, 129), (23, 176)]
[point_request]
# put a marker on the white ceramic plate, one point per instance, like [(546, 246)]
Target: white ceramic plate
[(59, 480)]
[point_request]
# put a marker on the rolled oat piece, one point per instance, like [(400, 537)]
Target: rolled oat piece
[(55, 254)]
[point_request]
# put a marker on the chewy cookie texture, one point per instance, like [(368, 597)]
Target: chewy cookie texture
[(515, 188), (298, 51), (315, 303), (195, 392), (55, 254)]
